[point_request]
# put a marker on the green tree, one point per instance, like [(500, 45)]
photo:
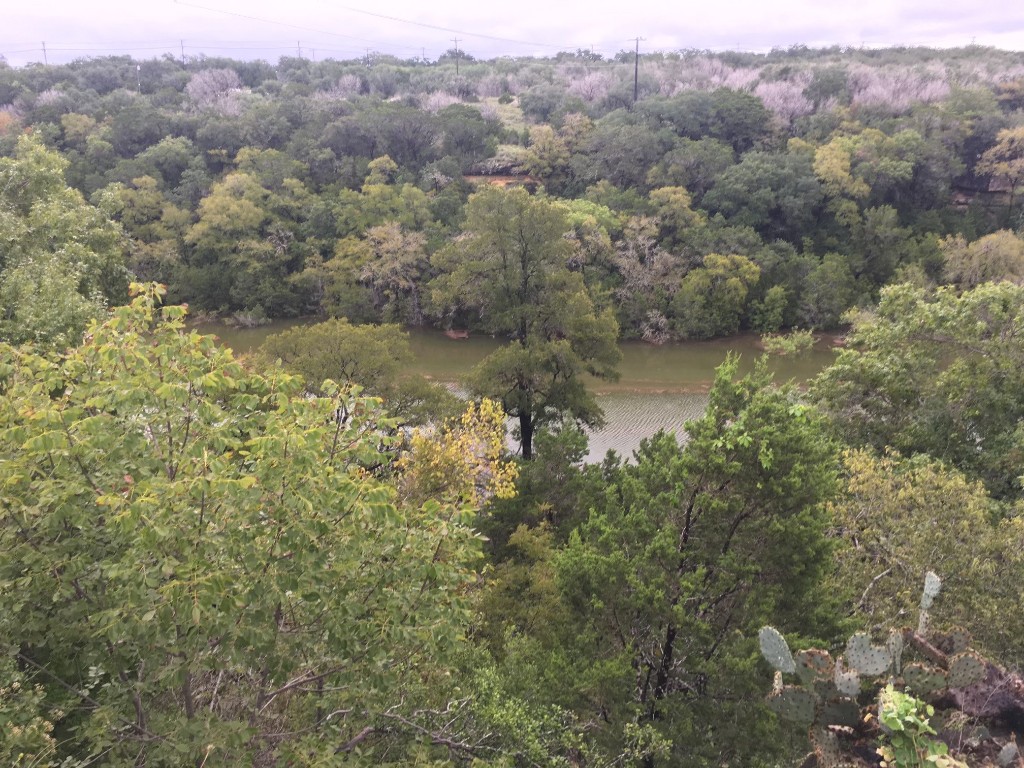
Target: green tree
[(200, 566), (647, 612), (711, 299), (508, 273), (376, 357), (776, 194), (936, 372), (886, 520), (1005, 160), (61, 259), (994, 257)]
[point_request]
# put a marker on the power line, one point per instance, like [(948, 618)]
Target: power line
[(292, 26), (454, 31)]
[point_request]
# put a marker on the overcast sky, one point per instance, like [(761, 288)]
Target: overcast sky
[(407, 28)]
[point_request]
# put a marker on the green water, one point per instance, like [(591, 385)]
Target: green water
[(659, 388)]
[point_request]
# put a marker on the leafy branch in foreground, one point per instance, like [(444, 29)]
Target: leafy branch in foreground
[(200, 566)]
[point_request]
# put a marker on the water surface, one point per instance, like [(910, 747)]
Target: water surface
[(660, 387)]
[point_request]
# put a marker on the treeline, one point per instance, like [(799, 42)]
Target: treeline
[(738, 192)]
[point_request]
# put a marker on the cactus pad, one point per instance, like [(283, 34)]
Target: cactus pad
[(895, 645), (826, 748), (814, 664), (840, 711), (847, 681), (921, 678), (966, 669), (866, 658), (794, 703), (775, 650), (932, 587), (957, 640), (1007, 755)]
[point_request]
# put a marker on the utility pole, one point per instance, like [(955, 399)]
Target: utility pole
[(636, 70), (456, 41), (183, 65), (45, 61), (138, 75), (298, 47)]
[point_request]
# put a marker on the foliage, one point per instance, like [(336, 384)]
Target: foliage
[(935, 372), (711, 298), (61, 260), (462, 463), (887, 521), (375, 357), (992, 258), (794, 343), (508, 273), (906, 741), (200, 565), (27, 736), (1005, 160), (684, 549)]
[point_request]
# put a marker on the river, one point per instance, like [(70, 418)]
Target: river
[(661, 387)]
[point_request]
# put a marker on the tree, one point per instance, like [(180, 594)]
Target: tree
[(712, 298), (994, 257), (886, 520), (375, 357), (508, 274), (61, 259), (396, 272), (200, 565), (1005, 160), (776, 194), (939, 373), (645, 616), (694, 165)]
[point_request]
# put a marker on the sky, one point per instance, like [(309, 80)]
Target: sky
[(251, 29)]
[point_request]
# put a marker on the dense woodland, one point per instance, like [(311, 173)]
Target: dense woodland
[(310, 556)]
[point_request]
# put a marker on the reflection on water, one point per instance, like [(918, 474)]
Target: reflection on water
[(659, 388)]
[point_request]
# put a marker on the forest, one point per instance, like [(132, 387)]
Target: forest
[(308, 555)]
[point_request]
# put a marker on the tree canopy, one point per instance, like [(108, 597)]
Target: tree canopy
[(200, 564), (509, 273)]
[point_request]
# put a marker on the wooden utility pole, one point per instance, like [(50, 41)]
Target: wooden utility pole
[(456, 41), (636, 70), (183, 65), (45, 61)]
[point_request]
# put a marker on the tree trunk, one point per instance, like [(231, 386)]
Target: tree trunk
[(526, 434)]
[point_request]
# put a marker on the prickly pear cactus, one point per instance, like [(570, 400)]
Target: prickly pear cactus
[(847, 682), (827, 749), (922, 678), (959, 640), (932, 587), (776, 651), (895, 645), (1007, 755), (794, 703), (840, 711), (965, 669), (866, 658), (814, 664)]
